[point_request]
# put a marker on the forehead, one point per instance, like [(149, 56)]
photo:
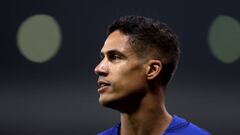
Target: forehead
[(117, 41)]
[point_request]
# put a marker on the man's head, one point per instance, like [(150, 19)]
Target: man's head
[(136, 52), (150, 39)]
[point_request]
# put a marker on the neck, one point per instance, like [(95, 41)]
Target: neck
[(150, 118)]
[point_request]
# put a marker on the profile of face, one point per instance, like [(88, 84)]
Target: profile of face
[(122, 75)]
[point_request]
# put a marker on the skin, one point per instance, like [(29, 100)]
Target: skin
[(130, 85)]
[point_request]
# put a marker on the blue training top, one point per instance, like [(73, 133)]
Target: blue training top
[(178, 126)]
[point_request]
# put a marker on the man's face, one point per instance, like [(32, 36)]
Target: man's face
[(121, 72)]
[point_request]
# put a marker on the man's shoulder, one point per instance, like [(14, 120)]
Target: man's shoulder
[(180, 126), (195, 130), (111, 131)]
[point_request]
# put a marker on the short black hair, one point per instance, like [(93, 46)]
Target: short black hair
[(150, 38)]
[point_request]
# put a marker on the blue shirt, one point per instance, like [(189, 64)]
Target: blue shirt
[(178, 126)]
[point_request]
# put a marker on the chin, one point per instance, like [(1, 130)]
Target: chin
[(126, 104), (118, 105), (110, 103), (104, 101)]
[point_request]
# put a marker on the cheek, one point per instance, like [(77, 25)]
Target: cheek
[(130, 80)]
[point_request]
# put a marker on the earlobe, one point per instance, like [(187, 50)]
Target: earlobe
[(153, 69)]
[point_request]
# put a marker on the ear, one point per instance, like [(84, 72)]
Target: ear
[(154, 67)]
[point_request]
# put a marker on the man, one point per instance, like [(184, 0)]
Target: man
[(139, 58)]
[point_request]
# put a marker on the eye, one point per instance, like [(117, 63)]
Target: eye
[(114, 57)]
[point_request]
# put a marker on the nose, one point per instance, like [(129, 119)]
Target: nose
[(101, 69)]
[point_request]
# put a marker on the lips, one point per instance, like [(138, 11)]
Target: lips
[(103, 85)]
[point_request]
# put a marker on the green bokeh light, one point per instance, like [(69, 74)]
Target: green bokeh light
[(224, 39), (39, 38)]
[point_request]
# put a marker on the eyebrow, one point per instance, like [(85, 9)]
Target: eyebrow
[(110, 52)]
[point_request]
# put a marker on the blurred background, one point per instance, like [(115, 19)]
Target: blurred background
[(49, 50)]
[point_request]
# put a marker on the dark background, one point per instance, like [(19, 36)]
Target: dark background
[(59, 97)]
